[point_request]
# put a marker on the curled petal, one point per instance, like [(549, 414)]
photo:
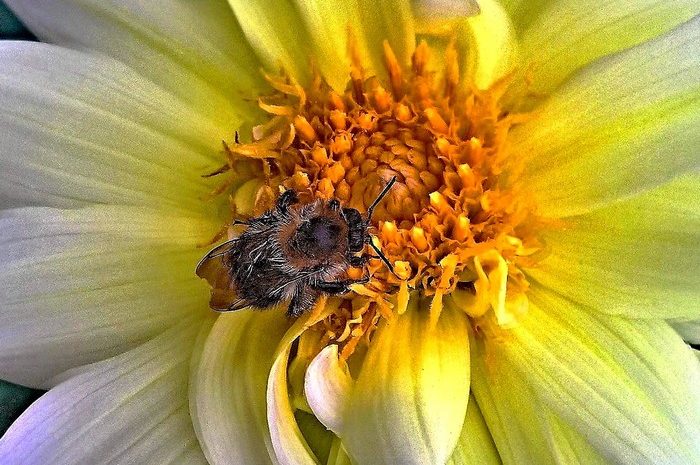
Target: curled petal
[(227, 391), (328, 385)]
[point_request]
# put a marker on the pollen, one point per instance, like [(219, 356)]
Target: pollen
[(451, 225)]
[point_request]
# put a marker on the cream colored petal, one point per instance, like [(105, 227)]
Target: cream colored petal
[(410, 399), (296, 34), (558, 37), (129, 409), (625, 124), (426, 10), (194, 50), (630, 387), (475, 446), (78, 286), (328, 386), (227, 392), (639, 258), (79, 128)]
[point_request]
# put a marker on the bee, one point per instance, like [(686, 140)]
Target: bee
[(295, 252)]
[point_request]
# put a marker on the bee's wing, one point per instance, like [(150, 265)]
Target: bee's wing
[(215, 268)]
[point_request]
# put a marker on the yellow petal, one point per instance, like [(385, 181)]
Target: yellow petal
[(290, 447), (414, 383), (369, 22)]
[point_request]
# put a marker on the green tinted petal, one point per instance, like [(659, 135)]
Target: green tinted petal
[(625, 124), (639, 258), (688, 329), (475, 446), (630, 387), (559, 37)]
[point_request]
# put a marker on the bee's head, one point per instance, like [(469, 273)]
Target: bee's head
[(357, 230)]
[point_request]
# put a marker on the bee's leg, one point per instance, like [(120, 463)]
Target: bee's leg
[(288, 197), (360, 261), (303, 300), (338, 287)]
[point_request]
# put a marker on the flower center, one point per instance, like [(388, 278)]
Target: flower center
[(450, 224)]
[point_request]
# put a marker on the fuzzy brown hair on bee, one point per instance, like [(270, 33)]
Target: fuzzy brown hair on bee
[(293, 253)]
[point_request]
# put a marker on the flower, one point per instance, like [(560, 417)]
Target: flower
[(544, 231)]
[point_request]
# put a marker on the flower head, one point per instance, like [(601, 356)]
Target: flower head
[(542, 231)]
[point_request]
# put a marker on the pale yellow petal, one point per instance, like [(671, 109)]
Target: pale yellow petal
[(195, 50), (229, 380), (630, 387)]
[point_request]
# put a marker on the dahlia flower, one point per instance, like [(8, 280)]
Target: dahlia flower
[(543, 231)]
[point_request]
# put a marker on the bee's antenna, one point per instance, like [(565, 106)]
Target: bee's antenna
[(383, 258), (379, 198)]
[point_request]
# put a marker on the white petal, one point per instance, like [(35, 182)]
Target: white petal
[(625, 124), (410, 399), (195, 50), (78, 286), (229, 379), (79, 128), (127, 410), (630, 387), (639, 258)]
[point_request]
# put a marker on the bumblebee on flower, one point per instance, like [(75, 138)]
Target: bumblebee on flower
[(542, 231)]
